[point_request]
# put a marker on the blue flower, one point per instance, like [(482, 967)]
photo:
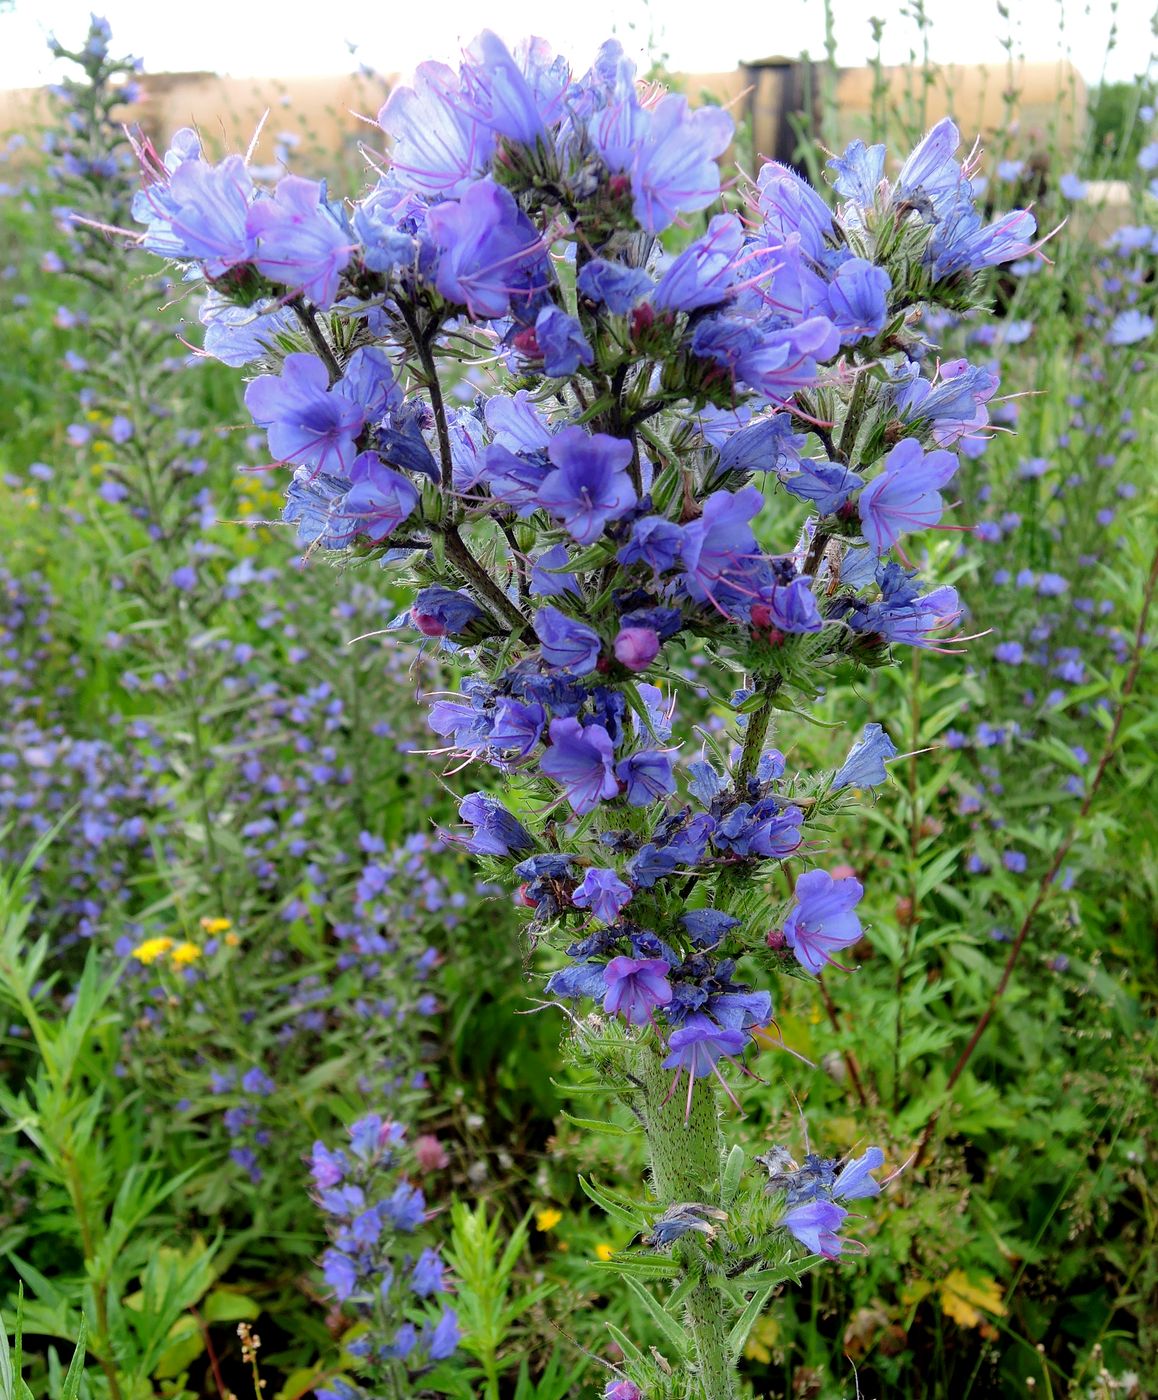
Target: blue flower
[(590, 484), (199, 214), (300, 242), (787, 607), (379, 499), (635, 987), (655, 541), (719, 549), (703, 273), (426, 1277), (438, 147), (612, 285), (305, 422), (443, 1340), (444, 612), (496, 831), (647, 778), (822, 922), (491, 258), (814, 1224), (674, 171), (561, 343), (549, 578), (859, 172), (566, 644), (865, 765), (512, 99), (828, 485), (905, 495), (858, 300), (603, 892), (580, 760)]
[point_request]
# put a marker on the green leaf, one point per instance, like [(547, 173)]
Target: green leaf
[(644, 1266), (72, 1380), (630, 1351), (747, 1319), (675, 1334), (617, 1207), (599, 1125), (733, 1171)]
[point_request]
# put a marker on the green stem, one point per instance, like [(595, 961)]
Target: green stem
[(686, 1151)]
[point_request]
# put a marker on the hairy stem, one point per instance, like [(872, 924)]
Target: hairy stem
[(686, 1151)]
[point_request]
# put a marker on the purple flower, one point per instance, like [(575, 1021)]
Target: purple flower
[(865, 765), (636, 647), (444, 612), (426, 1277), (406, 1207), (622, 1390), (656, 542), (1130, 327), (438, 147), (858, 300), (697, 1047), (200, 214), (859, 172), (491, 259), (306, 424), (379, 498), (327, 1168), (719, 549), (516, 727), (814, 1224), (787, 607), (635, 987), (603, 892), (704, 271), (518, 100), (561, 343), (791, 206), (580, 760), (1010, 653), (496, 831), (300, 242), (826, 484), (822, 920), (1015, 861), (566, 645), (905, 495), (674, 171), (612, 285), (444, 1339), (647, 778), (548, 579), (854, 1181), (340, 1273), (590, 484)]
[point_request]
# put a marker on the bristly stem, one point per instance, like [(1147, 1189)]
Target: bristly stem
[(756, 732), (686, 1151), (305, 315)]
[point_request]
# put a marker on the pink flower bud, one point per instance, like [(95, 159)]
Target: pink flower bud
[(429, 1153), (636, 647)]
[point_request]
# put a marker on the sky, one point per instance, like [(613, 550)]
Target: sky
[(241, 38)]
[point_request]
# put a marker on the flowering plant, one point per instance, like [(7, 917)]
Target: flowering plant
[(603, 510)]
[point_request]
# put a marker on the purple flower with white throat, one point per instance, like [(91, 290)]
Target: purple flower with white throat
[(635, 988), (822, 922), (590, 484), (603, 892)]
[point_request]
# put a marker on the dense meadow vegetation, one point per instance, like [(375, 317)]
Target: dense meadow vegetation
[(254, 990)]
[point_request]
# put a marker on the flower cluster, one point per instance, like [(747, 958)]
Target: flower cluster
[(602, 509), (375, 1264)]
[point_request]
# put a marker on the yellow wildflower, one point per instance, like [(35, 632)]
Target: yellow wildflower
[(152, 949), (961, 1298), (212, 926), (604, 1251), (547, 1218), (232, 940), (186, 953)]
